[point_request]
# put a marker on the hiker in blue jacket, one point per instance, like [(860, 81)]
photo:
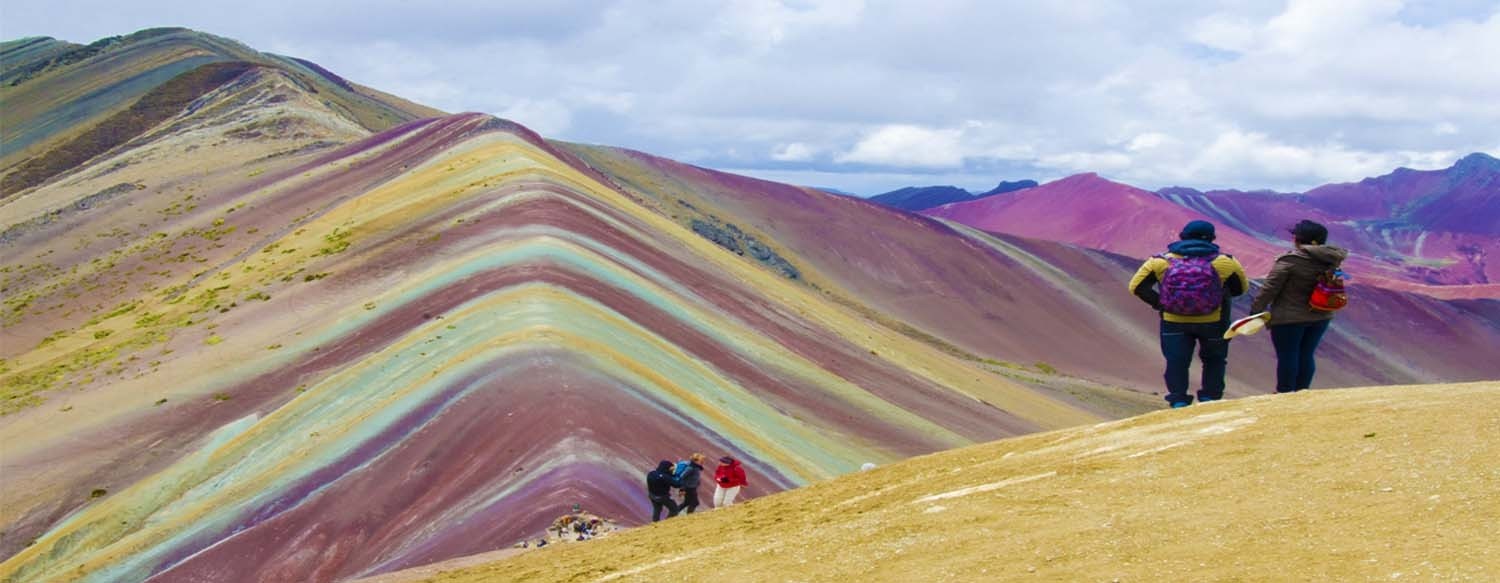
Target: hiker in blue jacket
[(659, 489), (1191, 285), (689, 480)]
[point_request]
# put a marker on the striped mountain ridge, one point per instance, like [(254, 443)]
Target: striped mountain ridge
[(488, 293), (295, 327), (57, 94)]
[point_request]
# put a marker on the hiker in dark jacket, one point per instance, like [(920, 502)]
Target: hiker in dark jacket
[(689, 480), (1192, 317), (659, 489), (1297, 328)]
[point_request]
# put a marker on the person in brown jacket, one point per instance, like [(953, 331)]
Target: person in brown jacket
[(1297, 328)]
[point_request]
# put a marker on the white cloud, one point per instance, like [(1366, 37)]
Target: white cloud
[(615, 102), (1255, 152), (1087, 161), (1149, 141), (1224, 32), (1232, 156), (908, 146), (545, 116), (793, 152), (868, 183), (1227, 93), (763, 24)]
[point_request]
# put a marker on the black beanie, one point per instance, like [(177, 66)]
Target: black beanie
[(1201, 230)]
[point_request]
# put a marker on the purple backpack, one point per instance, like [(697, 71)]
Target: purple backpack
[(1191, 286)]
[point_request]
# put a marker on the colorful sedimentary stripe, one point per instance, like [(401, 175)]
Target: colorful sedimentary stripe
[(502, 334)]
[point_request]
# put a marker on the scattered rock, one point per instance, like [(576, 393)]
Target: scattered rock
[(732, 238), (719, 236), (576, 526)]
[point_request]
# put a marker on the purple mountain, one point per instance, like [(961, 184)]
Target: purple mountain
[(1438, 225), (918, 198), (1008, 186)]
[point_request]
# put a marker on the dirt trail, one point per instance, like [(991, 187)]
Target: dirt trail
[(1391, 483)]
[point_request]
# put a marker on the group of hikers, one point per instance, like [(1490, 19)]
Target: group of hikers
[(1192, 286), (685, 476), (1193, 283)]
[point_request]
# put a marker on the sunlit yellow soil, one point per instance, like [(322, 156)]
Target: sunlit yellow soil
[(1392, 483)]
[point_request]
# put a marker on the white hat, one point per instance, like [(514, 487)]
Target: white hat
[(1247, 325)]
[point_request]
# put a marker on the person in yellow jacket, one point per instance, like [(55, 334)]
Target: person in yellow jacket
[(1191, 285)]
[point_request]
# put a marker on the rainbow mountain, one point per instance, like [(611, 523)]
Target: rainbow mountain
[(258, 318)]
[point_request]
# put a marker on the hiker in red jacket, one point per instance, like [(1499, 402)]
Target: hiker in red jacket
[(730, 477)]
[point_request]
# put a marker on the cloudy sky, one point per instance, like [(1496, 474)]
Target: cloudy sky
[(866, 96)]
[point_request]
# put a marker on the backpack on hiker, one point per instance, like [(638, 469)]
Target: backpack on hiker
[(1329, 293), (1191, 286), (678, 471)]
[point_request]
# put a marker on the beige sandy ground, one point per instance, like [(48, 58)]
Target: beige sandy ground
[(426, 572), (1393, 483)]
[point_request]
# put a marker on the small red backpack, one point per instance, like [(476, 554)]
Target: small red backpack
[(1329, 294)]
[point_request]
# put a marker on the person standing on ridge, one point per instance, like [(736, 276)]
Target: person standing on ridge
[(1191, 285), (689, 480), (729, 477), (1297, 326), (659, 489)]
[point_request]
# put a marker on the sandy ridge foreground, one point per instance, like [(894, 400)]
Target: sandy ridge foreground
[(1389, 483)]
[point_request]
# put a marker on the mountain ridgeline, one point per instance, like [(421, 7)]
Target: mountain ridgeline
[(1430, 231), (916, 198)]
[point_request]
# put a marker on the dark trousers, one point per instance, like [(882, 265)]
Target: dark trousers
[(1177, 343), (689, 500), (660, 502), (1295, 345)]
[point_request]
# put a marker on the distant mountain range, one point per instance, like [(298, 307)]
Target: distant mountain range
[(916, 198), (1457, 199), (1413, 228), (1410, 229)]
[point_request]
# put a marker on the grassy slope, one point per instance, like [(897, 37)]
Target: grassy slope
[(1381, 483)]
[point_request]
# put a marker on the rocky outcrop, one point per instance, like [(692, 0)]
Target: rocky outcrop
[(731, 238)]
